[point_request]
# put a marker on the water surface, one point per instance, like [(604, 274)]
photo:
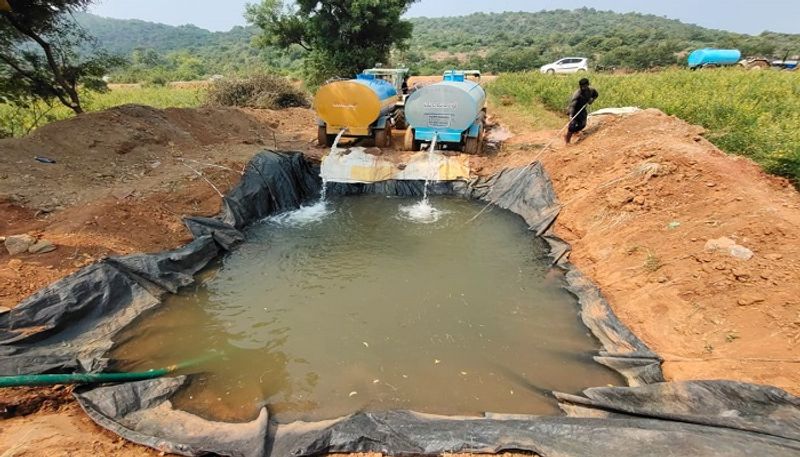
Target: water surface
[(354, 306)]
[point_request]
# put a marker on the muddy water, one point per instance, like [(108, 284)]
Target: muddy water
[(356, 309)]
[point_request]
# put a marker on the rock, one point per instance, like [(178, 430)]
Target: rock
[(711, 184), (15, 264), (4, 310), (42, 247), (726, 244), (620, 197), (750, 300), (773, 257), (741, 252), (723, 243), (639, 200), (740, 274), (18, 244)]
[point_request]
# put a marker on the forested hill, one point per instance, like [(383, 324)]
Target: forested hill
[(494, 42), (512, 41)]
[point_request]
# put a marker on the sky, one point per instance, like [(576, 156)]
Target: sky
[(743, 16)]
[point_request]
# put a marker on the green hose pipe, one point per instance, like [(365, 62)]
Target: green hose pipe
[(98, 378)]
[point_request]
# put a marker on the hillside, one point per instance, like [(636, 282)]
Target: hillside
[(494, 42)]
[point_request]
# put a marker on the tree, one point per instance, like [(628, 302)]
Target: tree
[(38, 53), (340, 37)]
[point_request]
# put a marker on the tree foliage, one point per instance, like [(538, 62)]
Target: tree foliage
[(505, 42), (39, 59), (502, 42), (340, 37)]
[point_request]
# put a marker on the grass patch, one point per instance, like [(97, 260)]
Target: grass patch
[(532, 114), (652, 263), (19, 122), (749, 113)]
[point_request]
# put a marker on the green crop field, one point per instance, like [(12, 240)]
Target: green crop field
[(751, 113), (18, 122)]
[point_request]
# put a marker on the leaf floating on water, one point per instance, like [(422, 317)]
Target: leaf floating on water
[(366, 345), (375, 381), (436, 361), (512, 392), (463, 373), (353, 393)]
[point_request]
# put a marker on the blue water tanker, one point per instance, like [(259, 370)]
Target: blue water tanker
[(714, 57), (452, 111)]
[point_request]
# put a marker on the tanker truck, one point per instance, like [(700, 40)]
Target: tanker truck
[(364, 107), (452, 111), (707, 58)]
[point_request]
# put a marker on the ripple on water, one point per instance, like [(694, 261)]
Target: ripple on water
[(305, 215), (421, 212)]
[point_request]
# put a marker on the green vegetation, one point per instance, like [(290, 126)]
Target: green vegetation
[(339, 38), (18, 121), (510, 42), (505, 42), (750, 113), (39, 55)]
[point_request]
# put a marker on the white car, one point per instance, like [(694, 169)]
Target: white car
[(566, 65)]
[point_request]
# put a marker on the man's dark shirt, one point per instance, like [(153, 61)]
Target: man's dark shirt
[(581, 98)]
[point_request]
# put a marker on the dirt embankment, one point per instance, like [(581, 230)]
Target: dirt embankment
[(122, 181), (642, 197)]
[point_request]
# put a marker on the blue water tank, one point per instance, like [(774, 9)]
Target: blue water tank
[(708, 56), (384, 89)]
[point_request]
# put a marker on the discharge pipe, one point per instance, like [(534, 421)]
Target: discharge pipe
[(39, 380)]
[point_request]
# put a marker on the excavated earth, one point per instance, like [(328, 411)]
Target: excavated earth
[(643, 195)]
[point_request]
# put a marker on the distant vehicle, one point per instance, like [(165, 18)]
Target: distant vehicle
[(709, 58), (566, 65), (758, 63)]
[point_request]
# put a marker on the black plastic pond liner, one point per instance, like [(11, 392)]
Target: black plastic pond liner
[(70, 325)]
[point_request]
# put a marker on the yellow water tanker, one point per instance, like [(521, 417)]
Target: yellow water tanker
[(361, 107)]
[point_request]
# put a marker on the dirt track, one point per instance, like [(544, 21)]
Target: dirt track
[(642, 196)]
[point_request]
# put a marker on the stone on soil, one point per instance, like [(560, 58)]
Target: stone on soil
[(17, 244), (729, 246), (42, 247)]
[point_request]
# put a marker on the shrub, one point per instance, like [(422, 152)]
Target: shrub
[(257, 91)]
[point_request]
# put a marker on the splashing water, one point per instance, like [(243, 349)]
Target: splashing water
[(423, 212), (323, 193), (305, 215)]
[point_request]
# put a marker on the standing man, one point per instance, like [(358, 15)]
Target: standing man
[(579, 108)]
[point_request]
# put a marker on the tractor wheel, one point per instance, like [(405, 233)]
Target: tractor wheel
[(400, 120), (474, 145), (383, 137), (471, 145), (323, 139), (409, 143)]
